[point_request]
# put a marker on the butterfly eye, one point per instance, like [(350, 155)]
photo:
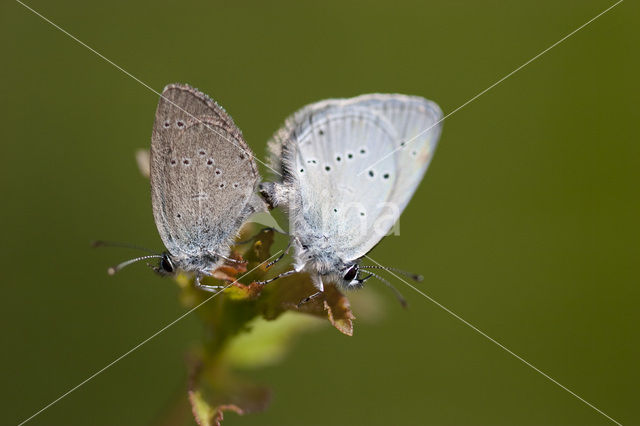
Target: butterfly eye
[(351, 273), (166, 264)]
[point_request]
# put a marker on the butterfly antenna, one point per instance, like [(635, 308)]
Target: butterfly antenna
[(112, 270), (100, 243), (415, 277), (399, 295)]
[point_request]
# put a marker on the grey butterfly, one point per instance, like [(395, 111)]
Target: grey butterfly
[(349, 168), (204, 182)]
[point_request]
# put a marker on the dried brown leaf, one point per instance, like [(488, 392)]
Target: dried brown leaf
[(339, 311)]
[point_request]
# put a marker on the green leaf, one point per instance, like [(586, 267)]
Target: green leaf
[(268, 341)]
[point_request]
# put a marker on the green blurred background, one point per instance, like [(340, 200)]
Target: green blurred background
[(526, 224)]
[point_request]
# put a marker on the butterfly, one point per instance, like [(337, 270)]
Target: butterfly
[(349, 168), (204, 183)]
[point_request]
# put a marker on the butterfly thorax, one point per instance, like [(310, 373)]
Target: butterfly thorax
[(333, 271), (317, 255)]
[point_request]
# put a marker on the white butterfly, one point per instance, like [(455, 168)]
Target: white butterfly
[(349, 168)]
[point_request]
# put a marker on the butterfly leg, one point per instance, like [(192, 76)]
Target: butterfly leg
[(228, 259), (279, 258), (309, 298), (284, 274), (205, 287), (316, 279)]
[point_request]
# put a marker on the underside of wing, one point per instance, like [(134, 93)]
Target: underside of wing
[(203, 176), (399, 134), (335, 208), (186, 101), (417, 122)]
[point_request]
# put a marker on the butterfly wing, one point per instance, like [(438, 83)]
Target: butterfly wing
[(377, 150), (418, 123), (203, 176), (336, 209)]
